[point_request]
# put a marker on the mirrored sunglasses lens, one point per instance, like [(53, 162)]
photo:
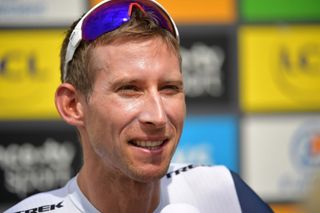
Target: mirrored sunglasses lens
[(104, 19), (112, 15), (161, 18)]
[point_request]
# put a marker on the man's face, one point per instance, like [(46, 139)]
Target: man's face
[(134, 116)]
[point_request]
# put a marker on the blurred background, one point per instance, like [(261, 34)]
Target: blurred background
[(252, 81)]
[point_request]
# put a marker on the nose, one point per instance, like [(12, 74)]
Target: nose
[(153, 112)]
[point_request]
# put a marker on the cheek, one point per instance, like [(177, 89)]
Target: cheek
[(176, 111), (111, 115), (129, 106), (121, 113)]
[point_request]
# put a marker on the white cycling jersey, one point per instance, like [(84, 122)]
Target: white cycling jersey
[(207, 189)]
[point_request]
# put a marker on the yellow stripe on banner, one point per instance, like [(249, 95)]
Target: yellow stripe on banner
[(279, 68), (29, 73), (201, 11)]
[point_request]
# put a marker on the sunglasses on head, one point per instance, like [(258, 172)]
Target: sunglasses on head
[(109, 15)]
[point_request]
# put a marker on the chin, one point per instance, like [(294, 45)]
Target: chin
[(149, 173)]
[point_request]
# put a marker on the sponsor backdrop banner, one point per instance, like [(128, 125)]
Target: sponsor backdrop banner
[(279, 68), (21, 13), (279, 154), (207, 67), (33, 161), (275, 10), (209, 140), (202, 11), (29, 73)]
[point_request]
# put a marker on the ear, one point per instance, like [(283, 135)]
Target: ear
[(69, 105)]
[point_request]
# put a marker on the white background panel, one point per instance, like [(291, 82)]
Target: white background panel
[(279, 153), (40, 12)]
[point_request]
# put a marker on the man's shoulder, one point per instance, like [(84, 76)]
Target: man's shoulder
[(199, 177), (207, 188), (42, 202), (210, 188)]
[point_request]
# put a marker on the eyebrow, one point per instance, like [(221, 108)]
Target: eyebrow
[(122, 81), (177, 82)]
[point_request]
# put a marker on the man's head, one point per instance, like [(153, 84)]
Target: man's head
[(141, 22), (123, 91)]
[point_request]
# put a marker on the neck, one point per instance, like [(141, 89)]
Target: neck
[(109, 191)]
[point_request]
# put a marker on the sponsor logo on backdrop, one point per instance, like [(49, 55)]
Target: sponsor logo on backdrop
[(305, 147), (16, 65), (304, 154), (206, 67), (28, 168), (298, 70), (29, 73), (202, 69), (280, 68), (18, 69)]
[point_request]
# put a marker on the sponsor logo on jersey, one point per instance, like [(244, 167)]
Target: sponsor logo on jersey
[(183, 169), (45, 208), (179, 171)]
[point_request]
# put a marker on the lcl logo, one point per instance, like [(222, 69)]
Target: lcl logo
[(23, 74), (297, 70), (16, 65), (305, 59)]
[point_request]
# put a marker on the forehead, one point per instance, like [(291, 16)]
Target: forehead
[(138, 55), (149, 42)]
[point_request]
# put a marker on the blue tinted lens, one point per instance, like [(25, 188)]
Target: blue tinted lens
[(113, 14), (106, 18), (159, 16)]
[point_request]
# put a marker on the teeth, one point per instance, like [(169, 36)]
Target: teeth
[(148, 144)]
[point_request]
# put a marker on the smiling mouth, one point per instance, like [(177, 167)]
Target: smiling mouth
[(151, 145)]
